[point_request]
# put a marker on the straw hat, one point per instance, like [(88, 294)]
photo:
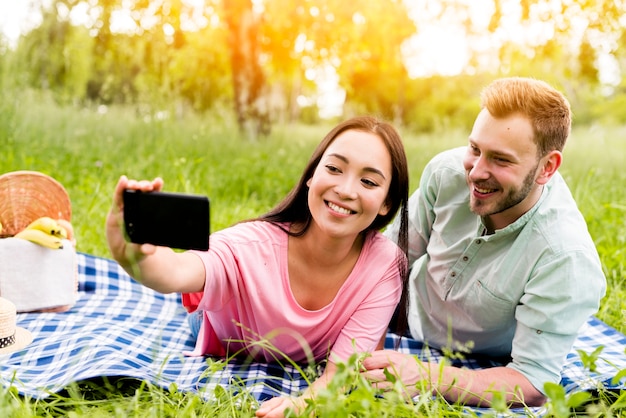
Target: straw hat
[(12, 338), (29, 195)]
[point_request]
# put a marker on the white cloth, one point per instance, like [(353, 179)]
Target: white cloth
[(37, 278)]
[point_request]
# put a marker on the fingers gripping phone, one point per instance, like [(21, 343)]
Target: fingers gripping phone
[(173, 220)]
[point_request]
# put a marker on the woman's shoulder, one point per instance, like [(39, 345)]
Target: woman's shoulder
[(252, 231), (377, 242), (379, 256)]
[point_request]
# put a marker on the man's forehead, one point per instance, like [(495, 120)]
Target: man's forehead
[(512, 134)]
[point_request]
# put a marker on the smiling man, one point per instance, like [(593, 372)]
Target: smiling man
[(501, 259)]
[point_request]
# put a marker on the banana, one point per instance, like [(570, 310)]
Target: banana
[(38, 236), (49, 226), (0, 227), (69, 229)]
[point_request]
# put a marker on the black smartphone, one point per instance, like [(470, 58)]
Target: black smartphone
[(173, 220)]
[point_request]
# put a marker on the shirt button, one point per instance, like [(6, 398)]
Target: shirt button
[(453, 274), (465, 258), (539, 331), (479, 241)]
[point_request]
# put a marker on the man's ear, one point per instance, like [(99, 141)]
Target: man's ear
[(549, 164)]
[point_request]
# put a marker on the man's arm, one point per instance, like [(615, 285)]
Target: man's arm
[(469, 387)]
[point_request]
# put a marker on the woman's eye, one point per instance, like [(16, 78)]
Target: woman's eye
[(332, 168), (369, 183)]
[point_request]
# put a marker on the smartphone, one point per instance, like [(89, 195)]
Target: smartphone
[(174, 220)]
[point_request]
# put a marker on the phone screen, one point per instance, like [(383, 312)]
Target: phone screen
[(172, 220)]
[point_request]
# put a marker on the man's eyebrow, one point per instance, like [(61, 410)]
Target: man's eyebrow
[(368, 169), (497, 153)]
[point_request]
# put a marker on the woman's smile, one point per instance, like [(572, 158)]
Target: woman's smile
[(339, 209)]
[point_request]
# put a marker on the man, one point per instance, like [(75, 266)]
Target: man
[(501, 259)]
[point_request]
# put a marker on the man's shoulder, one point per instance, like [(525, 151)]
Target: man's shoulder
[(559, 219), (445, 173), (559, 202), (450, 157), (446, 163)]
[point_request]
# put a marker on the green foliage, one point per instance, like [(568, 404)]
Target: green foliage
[(203, 55), (439, 104), (161, 61), (597, 180), (589, 359), (126, 397), (560, 404)]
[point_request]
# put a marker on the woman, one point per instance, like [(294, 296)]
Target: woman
[(314, 276)]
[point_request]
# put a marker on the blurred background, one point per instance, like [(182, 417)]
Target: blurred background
[(419, 63)]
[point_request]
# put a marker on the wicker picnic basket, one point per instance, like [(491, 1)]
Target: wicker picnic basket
[(35, 278), (29, 195)]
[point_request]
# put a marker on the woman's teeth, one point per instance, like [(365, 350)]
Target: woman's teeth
[(339, 209)]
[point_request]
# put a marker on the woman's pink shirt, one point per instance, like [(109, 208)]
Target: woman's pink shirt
[(247, 300)]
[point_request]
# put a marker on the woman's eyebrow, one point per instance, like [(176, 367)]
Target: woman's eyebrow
[(368, 169)]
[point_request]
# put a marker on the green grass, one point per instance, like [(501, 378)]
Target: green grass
[(87, 150)]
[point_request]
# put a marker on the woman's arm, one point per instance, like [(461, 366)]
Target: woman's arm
[(159, 268)]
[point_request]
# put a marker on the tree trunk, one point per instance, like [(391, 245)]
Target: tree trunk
[(248, 79)]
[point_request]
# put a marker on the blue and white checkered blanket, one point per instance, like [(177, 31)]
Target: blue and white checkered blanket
[(120, 328)]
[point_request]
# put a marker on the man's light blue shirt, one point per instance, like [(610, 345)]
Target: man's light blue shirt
[(523, 291)]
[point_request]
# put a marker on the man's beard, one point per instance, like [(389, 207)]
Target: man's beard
[(513, 198)]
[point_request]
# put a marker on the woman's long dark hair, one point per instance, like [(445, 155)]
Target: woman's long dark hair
[(294, 208)]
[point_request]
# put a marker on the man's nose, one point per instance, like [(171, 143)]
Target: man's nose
[(479, 169)]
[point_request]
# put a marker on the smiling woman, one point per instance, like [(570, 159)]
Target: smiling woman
[(314, 276)]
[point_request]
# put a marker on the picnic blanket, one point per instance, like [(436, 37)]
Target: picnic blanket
[(120, 328)]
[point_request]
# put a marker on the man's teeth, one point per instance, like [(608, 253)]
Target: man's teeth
[(339, 208), (484, 191)]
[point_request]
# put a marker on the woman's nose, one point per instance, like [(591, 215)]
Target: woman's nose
[(346, 189)]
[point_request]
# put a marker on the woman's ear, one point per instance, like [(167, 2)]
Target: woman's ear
[(550, 163), (384, 209)]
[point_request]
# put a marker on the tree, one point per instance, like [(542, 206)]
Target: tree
[(370, 58), (248, 79), (262, 56), (55, 56), (361, 40), (200, 71)]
